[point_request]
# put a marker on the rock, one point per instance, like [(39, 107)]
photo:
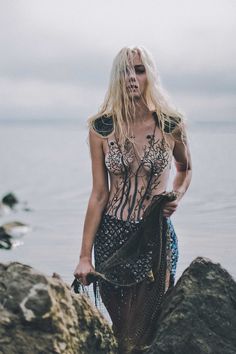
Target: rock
[(199, 314), (40, 314), (10, 203), (4, 209), (16, 228), (10, 200), (5, 239), (11, 230)]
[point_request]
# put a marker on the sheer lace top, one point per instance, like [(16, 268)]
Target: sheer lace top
[(138, 170)]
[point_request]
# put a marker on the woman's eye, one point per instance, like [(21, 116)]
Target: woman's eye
[(140, 70), (137, 70)]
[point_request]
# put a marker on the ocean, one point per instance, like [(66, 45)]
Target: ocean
[(47, 166)]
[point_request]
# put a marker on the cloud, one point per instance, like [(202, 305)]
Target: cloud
[(59, 53), (35, 99), (202, 107), (209, 83)]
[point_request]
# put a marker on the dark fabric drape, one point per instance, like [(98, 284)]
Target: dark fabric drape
[(133, 295)]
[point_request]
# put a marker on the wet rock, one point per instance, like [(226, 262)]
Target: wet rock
[(199, 314), (16, 228), (11, 231), (7, 204), (40, 314), (4, 209), (10, 200), (10, 203), (5, 239)]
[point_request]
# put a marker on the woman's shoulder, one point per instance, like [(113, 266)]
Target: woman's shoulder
[(103, 125), (170, 123)]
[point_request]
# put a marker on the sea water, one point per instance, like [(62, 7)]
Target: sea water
[(47, 165)]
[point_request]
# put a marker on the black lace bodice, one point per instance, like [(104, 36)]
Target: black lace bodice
[(138, 170)]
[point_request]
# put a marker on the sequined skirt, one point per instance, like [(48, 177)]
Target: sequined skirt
[(113, 233), (134, 329)]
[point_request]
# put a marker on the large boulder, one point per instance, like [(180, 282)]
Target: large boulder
[(41, 315), (199, 314)]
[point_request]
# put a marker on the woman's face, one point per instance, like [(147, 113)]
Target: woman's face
[(136, 80)]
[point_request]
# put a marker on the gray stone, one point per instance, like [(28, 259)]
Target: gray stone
[(199, 314), (40, 314), (10, 199)]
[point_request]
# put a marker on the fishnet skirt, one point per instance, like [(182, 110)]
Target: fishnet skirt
[(133, 309)]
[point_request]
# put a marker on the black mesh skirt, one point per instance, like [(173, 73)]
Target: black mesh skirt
[(133, 309)]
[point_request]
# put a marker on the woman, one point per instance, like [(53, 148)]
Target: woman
[(132, 141)]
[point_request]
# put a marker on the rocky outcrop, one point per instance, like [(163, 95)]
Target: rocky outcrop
[(41, 315), (11, 203), (5, 239), (199, 314), (7, 203), (10, 199), (10, 232), (13, 229)]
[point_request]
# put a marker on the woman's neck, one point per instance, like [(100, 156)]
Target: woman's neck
[(142, 113)]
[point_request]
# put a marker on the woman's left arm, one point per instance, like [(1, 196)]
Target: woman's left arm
[(183, 175)]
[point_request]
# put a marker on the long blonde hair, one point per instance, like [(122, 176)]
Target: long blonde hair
[(117, 102)]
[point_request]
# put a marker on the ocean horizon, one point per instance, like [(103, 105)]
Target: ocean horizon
[(46, 163)]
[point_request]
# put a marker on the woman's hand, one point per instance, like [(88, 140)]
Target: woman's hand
[(83, 268), (170, 208)]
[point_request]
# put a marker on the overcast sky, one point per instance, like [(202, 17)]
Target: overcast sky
[(56, 55)]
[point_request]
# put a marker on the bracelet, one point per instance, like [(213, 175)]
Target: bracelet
[(178, 194)]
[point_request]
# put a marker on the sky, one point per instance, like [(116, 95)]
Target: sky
[(56, 55)]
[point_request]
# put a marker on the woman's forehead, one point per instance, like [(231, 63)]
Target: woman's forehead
[(136, 59)]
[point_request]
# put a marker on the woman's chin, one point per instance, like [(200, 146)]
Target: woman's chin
[(134, 95)]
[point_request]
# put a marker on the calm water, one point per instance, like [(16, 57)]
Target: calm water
[(47, 165)]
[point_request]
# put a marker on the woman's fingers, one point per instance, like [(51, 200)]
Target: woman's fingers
[(172, 204), (167, 213), (170, 208), (84, 280), (82, 276)]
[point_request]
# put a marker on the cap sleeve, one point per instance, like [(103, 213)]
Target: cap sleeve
[(103, 125)]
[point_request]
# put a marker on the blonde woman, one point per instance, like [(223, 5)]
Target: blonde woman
[(133, 139)]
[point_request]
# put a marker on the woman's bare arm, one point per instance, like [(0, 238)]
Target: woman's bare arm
[(183, 174), (97, 202), (183, 166)]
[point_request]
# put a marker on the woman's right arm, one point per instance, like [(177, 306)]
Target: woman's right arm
[(97, 202)]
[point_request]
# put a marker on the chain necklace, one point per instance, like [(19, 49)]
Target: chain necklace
[(136, 152), (137, 155)]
